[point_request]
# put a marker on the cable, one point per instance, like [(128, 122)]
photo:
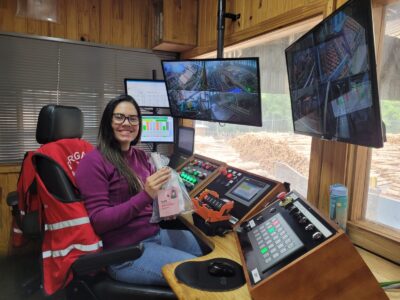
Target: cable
[(392, 286), (386, 284), (146, 109)]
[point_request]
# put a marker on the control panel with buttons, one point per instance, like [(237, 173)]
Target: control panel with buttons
[(244, 189), (282, 232), (197, 170)]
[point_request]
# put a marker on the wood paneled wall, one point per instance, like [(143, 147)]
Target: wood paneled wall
[(8, 183), (182, 12), (256, 17), (113, 22)]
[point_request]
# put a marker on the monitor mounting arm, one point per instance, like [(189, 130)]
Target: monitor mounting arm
[(221, 26)]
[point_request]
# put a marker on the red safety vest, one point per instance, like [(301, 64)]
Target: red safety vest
[(68, 233), (28, 199)]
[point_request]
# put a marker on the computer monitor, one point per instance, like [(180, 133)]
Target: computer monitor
[(217, 90), (185, 140), (157, 129), (333, 81), (147, 93)]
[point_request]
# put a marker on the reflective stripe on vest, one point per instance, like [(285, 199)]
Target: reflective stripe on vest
[(64, 252), (65, 224), (17, 230)]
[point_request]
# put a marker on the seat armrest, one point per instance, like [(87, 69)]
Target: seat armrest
[(172, 224), (96, 261), (12, 198)]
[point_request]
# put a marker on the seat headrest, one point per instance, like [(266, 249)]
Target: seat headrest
[(58, 122)]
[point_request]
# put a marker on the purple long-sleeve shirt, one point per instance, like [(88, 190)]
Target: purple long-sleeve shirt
[(118, 218)]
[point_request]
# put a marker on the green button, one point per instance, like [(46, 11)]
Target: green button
[(264, 250), (271, 230)]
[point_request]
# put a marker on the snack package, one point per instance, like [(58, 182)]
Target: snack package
[(173, 199)]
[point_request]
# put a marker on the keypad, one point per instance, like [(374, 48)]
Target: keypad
[(275, 241), (214, 203)]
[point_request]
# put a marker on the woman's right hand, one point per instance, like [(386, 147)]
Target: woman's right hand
[(156, 181)]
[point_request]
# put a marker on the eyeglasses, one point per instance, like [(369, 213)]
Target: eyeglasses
[(120, 118)]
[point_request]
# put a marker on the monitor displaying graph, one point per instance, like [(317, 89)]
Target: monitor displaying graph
[(147, 93), (157, 129)]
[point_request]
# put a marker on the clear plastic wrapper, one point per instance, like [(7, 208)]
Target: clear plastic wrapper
[(173, 199)]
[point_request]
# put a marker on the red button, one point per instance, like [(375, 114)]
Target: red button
[(281, 196)]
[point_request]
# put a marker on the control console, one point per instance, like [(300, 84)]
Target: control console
[(246, 191), (289, 250), (196, 170), (282, 232)]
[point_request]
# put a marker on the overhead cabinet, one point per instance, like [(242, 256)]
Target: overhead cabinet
[(175, 24)]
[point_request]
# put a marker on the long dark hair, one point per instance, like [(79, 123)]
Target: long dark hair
[(110, 147)]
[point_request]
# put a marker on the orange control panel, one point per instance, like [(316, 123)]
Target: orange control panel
[(245, 190)]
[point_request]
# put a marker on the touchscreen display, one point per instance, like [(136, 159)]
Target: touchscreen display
[(246, 190)]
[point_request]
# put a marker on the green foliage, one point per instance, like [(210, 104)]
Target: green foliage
[(276, 106), (390, 110)]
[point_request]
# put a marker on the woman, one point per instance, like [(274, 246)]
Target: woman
[(119, 184)]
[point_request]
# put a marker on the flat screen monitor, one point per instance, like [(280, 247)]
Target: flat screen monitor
[(332, 78), (185, 140), (247, 190), (157, 129), (217, 90), (147, 93)]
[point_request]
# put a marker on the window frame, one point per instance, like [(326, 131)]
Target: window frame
[(335, 162), (375, 237)]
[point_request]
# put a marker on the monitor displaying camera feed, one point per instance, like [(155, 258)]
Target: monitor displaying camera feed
[(147, 93), (157, 129), (217, 90), (332, 78)]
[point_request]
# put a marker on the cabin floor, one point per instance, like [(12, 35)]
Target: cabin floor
[(17, 270)]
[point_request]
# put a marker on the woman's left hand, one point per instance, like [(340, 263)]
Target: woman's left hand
[(154, 182)]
